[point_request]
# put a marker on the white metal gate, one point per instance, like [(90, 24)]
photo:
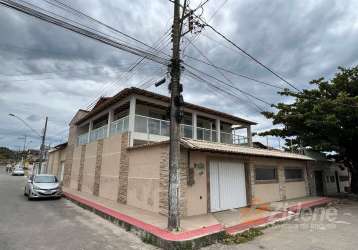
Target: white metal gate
[(227, 185)]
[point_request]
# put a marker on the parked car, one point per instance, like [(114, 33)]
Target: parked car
[(18, 171), (42, 186)]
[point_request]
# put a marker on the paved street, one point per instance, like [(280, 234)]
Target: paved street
[(54, 224), (59, 224), (333, 232)]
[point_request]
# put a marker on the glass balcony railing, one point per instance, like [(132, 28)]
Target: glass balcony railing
[(186, 131), (82, 139), (152, 126), (98, 133), (230, 138), (206, 134), (119, 126)]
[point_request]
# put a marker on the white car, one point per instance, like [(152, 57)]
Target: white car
[(42, 186), (18, 171)]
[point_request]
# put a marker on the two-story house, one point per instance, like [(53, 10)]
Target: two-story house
[(119, 150)]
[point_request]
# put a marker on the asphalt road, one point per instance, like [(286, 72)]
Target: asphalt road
[(54, 224)]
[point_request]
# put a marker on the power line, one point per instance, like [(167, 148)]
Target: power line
[(245, 52), (82, 31), (130, 69), (227, 84), (228, 71), (68, 7), (229, 80), (249, 55), (210, 18), (54, 72), (213, 86)]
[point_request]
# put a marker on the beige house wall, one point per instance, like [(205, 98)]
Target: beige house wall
[(267, 192), (143, 172), (56, 159), (259, 193), (53, 162), (295, 189), (89, 167), (75, 167), (109, 177), (143, 178)]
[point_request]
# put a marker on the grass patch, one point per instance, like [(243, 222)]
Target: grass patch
[(246, 236)]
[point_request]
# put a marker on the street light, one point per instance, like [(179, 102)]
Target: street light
[(27, 125), (43, 136)]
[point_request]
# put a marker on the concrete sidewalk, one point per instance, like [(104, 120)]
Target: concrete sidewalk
[(153, 225)]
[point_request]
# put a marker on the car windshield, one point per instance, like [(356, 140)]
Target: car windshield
[(45, 179)]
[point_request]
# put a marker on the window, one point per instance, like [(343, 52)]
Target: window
[(45, 179), (266, 173), (293, 174)]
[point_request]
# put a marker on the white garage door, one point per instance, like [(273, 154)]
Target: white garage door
[(227, 185)]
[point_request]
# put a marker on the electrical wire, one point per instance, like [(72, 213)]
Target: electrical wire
[(85, 32), (250, 56), (229, 71), (216, 88), (227, 84), (130, 69), (80, 13)]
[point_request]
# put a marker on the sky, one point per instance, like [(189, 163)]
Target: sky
[(48, 71)]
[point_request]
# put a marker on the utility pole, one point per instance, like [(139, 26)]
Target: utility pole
[(23, 150), (176, 102), (42, 148)]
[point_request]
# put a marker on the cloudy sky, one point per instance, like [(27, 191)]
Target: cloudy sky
[(48, 71)]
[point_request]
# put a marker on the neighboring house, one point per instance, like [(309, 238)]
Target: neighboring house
[(327, 177), (119, 151), (56, 160)]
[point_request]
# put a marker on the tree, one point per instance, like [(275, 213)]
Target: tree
[(324, 117)]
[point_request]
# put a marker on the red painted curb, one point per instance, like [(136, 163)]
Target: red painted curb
[(279, 215), (321, 201), (161, 233), (187, 235), (255, 223)]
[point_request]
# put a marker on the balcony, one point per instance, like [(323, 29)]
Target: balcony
[(82, 139), (152, 129), (119, 126), (98, 133)]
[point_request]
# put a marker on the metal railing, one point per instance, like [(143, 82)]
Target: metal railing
[(230, 138), (119, 126), (154, 126), (148, 125), (186, 131), (98, 133), (82, 139), (205, 134)]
